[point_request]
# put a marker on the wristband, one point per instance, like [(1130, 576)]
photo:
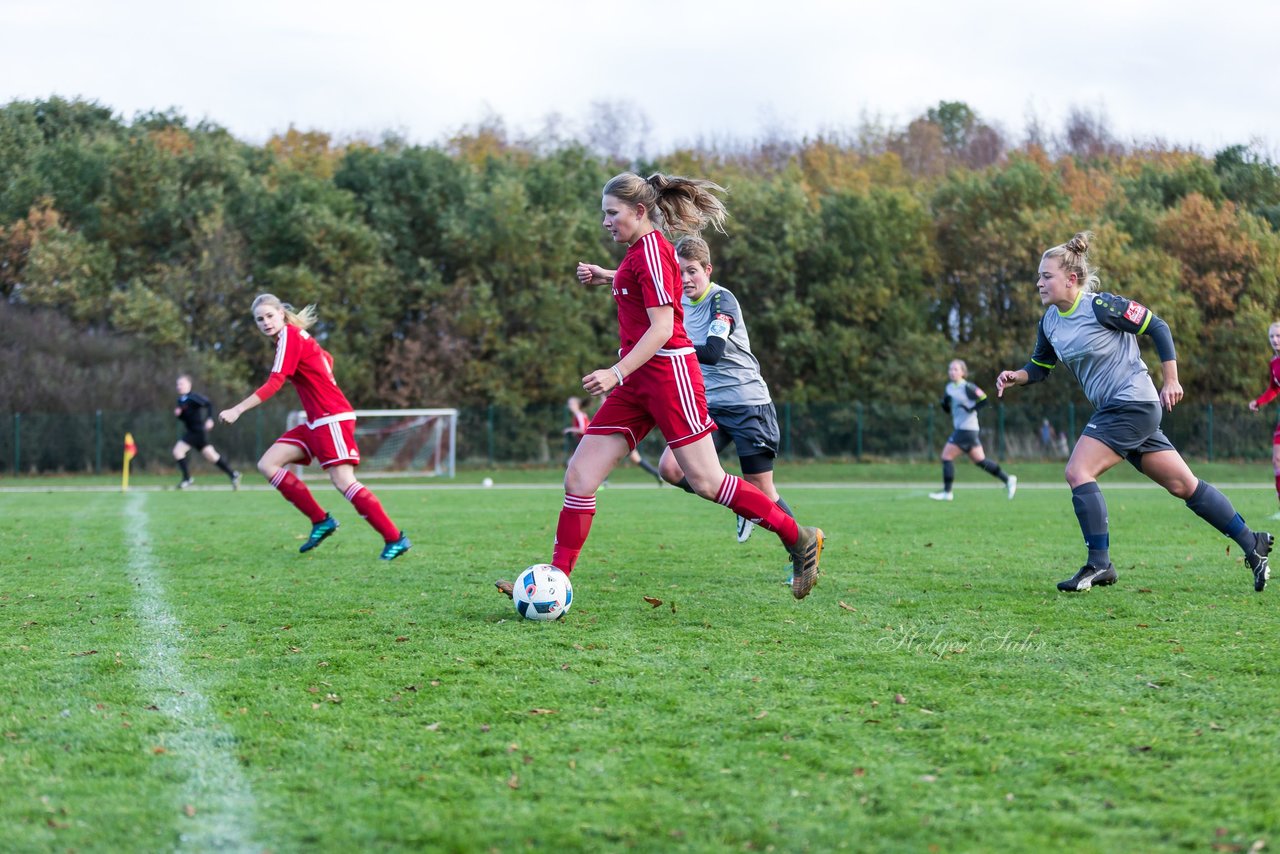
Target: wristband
[(617, 372)]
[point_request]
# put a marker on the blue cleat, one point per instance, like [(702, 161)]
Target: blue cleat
[(319, 531), (394, 549)]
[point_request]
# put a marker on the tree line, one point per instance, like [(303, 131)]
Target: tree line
[(443, 273)]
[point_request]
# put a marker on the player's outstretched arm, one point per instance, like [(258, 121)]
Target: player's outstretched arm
[(229, 416)]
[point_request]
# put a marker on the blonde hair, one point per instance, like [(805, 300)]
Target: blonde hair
[(963, 367), (1073, 256), (681, 205), (304, 319), (693, 248)]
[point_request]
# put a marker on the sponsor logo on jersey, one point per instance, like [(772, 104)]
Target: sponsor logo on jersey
[(1135, 312)]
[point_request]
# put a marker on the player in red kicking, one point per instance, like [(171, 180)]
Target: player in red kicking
[(1273, 388), (329, 434), (656, 382)]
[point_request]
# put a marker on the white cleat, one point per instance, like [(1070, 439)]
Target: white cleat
[(745, 527), (941, 496), (1012, 485)]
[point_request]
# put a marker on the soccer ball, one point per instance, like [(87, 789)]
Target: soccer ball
[(542, 592)]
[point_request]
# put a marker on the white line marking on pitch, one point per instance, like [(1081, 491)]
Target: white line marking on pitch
[(215, 787)]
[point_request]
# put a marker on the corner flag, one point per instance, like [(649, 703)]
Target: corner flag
[(130, 451)]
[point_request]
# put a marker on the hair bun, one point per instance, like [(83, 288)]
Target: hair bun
[(1079, 244)]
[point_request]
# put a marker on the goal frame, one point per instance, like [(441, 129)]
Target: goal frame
[(299, 416)]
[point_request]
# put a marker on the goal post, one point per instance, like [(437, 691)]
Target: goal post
[(402, 442)]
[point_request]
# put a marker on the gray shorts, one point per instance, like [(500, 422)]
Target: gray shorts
[(752, 429), (1131, 428), (965, 440)]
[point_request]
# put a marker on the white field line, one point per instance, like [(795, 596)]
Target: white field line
[(223, 801)]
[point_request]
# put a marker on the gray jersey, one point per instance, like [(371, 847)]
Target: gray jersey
[(962, 400), (735, 379), (1097, 342)]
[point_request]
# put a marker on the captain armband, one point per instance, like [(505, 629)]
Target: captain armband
[(721, 326)]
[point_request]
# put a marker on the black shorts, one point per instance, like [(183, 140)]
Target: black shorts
[(752, 429), (965, 440), (1130, 428), (197, 439)]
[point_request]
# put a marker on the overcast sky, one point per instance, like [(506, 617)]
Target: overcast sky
[(1204, 74)]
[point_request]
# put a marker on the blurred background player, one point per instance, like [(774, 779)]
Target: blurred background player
[(1095, 336), (578, 423), (195, 411), (1273, 388), (963, 399), (329, 434), (656, 381), (737, 396)]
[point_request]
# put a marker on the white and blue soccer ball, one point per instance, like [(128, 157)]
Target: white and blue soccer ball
[(542, 592)]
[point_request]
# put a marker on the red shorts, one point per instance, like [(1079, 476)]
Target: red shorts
[(667, 392), (330, 442)]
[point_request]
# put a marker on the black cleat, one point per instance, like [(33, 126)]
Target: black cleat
[(319, 531), (1257, 559), (1089, 576)]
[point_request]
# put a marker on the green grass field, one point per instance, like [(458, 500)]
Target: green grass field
[(176, 676)]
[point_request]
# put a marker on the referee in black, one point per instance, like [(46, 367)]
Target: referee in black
[(195, 411)]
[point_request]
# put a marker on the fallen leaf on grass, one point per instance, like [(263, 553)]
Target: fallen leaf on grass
[(542, 711), (189, 810), (158, 751), (402, 638), (513, 782), (1216, 728), (847, 606), (859, 772), (652, 601), (433, 727), (899, 699), (86, 652), (763, 714)]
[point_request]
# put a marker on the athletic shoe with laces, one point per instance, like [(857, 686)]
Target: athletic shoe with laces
[(941, 496), (319, 531), (1012, 485), (185, 482), (395, 548), (235, 481), (1089, 576), (745, 527), (505, 587), (805, 553), (1258, 561)]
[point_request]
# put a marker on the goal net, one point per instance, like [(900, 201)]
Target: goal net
[(404, 442)]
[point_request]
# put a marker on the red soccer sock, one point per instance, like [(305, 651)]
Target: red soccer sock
[(572, 530), (297, 494), (370, 510), (750, 503)]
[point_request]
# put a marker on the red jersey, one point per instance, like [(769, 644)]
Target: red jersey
[(580, 422), (300, 358), (648, 276), (1273, 388)]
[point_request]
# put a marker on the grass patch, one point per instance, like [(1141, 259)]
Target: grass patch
[(934, 690)]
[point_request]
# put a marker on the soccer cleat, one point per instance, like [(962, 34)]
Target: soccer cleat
[(319, 531), (185, 482), (1275, 515), (1089, 576), (1012, 485), (941, 496), (235, 480), (1258, 561), (745, 527), (505, 587), (395, 548), (805, 553)]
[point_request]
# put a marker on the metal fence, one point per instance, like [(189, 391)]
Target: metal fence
[(34, 443)]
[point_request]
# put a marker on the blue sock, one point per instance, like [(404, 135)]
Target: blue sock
[(1091, 510), (1216, 509), (948, 475)]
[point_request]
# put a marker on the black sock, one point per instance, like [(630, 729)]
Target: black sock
[(186, 472), (948, 475), (994, 470), (1091, 510), (785, 508), (684, 484), (1216, 509), (222, 464)]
